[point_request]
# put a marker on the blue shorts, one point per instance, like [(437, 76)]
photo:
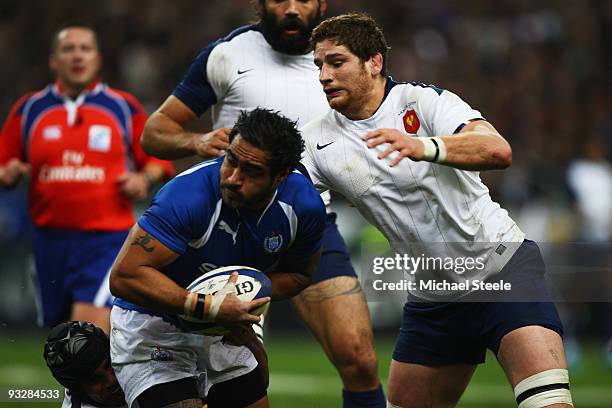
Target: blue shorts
[(460, 332), (335, 260), (73, 266)]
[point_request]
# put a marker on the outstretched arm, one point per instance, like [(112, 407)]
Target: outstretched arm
[(478, 146), (166, 136)]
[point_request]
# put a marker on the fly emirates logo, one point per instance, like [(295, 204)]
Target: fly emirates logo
[(72, 170)]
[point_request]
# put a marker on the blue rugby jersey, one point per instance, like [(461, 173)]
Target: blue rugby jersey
[(188, 216)]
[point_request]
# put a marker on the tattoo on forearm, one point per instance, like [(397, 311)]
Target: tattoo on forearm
[(145, 242), (328, 289)]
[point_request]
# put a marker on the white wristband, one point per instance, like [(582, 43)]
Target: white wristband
[(188, 306), (430, 149), (434, 149)]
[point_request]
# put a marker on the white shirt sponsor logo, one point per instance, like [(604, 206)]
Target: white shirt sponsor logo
[(82, 174), (72, 157)]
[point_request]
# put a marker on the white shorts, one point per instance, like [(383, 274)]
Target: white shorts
[(146, 351)]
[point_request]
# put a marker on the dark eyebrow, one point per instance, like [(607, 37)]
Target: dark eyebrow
[(335, 55), (248, 165)]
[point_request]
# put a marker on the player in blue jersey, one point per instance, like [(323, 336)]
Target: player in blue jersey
[(247, 208), (407, 155), (269, 64)]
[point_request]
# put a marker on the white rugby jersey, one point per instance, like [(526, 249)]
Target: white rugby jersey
[(243, 72), (418, 206)]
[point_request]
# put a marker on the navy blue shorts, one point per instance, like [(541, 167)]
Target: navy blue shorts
[(460, 332), (73, 266), (335, 260)]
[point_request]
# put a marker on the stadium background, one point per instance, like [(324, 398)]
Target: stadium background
[(539, 70)]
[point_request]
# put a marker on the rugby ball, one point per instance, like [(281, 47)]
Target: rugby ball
[(251, 284)]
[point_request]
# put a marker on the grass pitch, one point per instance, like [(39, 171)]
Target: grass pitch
[(301, 376)]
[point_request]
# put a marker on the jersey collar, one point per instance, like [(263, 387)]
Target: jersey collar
[(257, 214), (94, 87), (389, 84), (72, 104)]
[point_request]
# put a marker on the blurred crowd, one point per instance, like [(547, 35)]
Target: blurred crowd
[(539, 70)]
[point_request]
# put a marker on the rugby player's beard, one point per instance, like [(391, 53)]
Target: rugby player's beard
[(295, 45), (255, 202)]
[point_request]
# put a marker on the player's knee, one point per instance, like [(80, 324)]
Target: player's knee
[(356, 359), (544, 389)]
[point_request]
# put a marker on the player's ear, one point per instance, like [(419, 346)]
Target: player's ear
[(375, 64), (282, 175)]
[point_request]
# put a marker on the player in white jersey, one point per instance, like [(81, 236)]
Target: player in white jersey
[(407, 156), (269, 65)]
